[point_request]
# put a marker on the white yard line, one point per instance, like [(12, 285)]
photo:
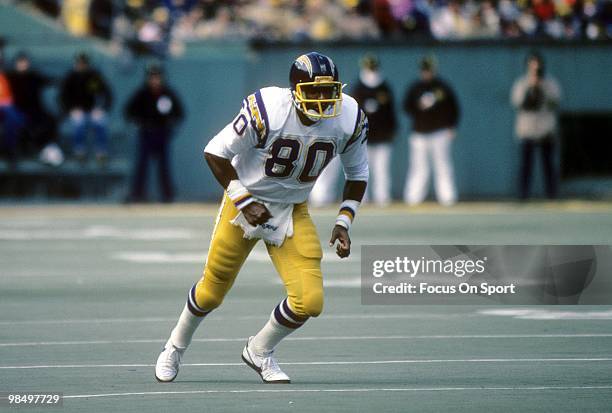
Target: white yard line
[(362, 390), (97, 232), (546, 314), (325, 363), (198, 257), (409, 316), (310, 338)]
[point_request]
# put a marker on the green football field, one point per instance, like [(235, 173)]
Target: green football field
[(88, 296)]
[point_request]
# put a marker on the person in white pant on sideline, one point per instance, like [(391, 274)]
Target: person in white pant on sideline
[(375, 97), (435, 114), (325, 190)]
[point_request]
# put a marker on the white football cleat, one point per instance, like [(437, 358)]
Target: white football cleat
[(168, 362), (265, 365)]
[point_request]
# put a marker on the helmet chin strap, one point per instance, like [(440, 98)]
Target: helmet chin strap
[(299, 108), (312, 114)]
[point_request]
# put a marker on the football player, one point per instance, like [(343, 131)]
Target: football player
[(267, 160)]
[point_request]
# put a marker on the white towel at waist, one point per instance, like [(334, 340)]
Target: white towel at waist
[(275, 230)]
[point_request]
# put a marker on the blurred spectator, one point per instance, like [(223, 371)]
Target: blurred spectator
[(528, 22), (376, 99), (383, 15), (535, 97), (86, 98), (486, 21), (75, 16), (28, 85), (357, 26), (156, 109), (49, 7), (435, 114), (101, 14), (450, 22), (12, 121), (412, 16)]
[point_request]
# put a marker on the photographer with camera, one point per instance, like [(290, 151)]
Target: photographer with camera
[(536, 97)]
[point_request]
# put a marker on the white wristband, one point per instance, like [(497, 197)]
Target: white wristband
[(239, 195), (348, 210)]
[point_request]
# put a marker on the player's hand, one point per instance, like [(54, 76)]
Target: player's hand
[(340, 234), (532, 78), (256, 213)]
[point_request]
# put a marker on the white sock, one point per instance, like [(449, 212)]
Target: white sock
[(269, 336), (185, 327), (282, 322)]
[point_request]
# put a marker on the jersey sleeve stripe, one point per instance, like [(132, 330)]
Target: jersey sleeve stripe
[(245, 105), (366, 125), (359, 123), (259, 117)]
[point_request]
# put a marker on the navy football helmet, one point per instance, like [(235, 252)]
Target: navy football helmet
[(315, 87)]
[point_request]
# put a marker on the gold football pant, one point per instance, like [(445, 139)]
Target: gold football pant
[(297, 260)]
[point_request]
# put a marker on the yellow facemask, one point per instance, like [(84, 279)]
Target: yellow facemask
[(320, 99)]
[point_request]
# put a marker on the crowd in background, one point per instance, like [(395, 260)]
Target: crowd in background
[(154, 24)]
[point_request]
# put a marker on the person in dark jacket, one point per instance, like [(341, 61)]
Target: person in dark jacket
[(156, 109), (375, 97), (433, 107), (28, 85), (86, 97)]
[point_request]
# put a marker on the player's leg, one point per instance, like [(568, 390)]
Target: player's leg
[(442, 161), (373, 161), (550, 177), (78, 123), (298, 261), (228, 251), (418, 176), (139, 176), (99, 121), (380, 169), (163, 166), (527, 147)]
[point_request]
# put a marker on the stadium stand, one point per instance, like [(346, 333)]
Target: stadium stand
[(152, 22)]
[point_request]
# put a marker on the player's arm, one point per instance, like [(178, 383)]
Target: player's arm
[(254, 212), (352, 196), (235, 138), (355, 163)]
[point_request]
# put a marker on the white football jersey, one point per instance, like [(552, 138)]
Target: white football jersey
[(278, 158)]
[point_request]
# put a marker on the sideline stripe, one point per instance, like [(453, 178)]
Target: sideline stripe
[(363, 390), (412, 316), (309, 338), (546, 314), (197, 257), (323, 363)]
